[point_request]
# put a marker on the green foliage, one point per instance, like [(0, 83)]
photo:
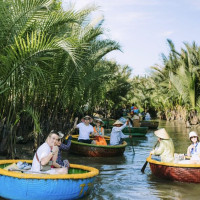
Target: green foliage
[(52, 61), (173, 85)]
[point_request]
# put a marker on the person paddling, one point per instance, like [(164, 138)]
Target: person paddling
[(116, 135), (166, 146)]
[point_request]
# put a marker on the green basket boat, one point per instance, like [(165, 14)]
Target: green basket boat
[(135, 131), (150, 124)]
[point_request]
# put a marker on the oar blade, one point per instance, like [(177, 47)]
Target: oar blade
[(144, 166)]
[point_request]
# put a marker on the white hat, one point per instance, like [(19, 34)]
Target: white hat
[(162, 133), (98, 119), (193, 134), (118, 122), (136, 117), (60, 135)]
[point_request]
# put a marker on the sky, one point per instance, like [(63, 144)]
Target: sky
[(142, 28)]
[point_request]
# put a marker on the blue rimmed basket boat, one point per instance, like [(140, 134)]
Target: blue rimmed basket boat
[(175, 172), (24, 186), (92, 150)]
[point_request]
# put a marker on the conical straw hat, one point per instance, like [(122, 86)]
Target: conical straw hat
[(118, 122), (162, 133)]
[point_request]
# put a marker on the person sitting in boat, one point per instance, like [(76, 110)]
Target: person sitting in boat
[(116, 135), (99, 133), (193, 150), (136, 121), (46, 155), (63, 147), (85, 129), (166, 146), (147, 117)]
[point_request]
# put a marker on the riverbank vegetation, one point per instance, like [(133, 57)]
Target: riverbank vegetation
[(53, 68), (173, 89)]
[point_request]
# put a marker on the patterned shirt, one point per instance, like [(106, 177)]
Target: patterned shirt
[(64, 147)]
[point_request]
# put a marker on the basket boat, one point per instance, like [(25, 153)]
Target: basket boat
[(150, 124), (24, 186), (176, 172), (108, 123), (92, 150), (135, 131)]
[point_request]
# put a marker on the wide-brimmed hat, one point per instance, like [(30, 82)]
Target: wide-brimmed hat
[(193, 134), (60, 135), (162, 133), (98, 119), (87, 117), (118, 122)]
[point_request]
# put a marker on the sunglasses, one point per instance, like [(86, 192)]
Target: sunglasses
[(193, 137), (87, 119)]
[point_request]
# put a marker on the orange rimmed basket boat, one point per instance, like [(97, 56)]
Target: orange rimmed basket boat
[(176, 172)]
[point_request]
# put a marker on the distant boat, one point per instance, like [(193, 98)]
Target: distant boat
[(176, 172), (92, 150), (16, 185), (108, 123), (135, 131), (152, 124)]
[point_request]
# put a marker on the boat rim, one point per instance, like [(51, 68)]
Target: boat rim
[(92, 172), (152, 161), (97, 146)]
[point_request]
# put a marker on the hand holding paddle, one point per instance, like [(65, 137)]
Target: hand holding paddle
[(145, 164)]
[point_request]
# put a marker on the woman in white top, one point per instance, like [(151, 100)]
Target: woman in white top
[(194, 149)]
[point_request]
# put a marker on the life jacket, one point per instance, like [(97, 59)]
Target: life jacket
[(100, 140), (99, 130)]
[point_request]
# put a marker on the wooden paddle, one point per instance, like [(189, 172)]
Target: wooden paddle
[(131, 140), (145, 164)]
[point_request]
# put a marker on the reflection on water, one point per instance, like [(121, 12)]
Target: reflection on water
[(121, 178)]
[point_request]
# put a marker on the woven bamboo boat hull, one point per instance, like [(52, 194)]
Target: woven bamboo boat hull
[(150, 124), (97, 150), (176, 172), (23, 186)]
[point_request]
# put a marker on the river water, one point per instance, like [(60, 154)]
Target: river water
[(121, 177)]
